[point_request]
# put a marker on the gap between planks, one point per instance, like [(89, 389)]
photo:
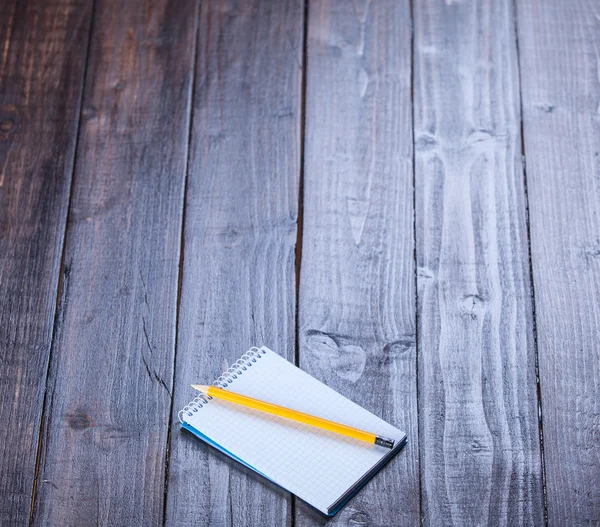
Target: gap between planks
[(191, 93), (532, 284), (61, 269), (416, 275), (300, 218)]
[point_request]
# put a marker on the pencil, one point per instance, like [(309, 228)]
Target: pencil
[(294, 415)]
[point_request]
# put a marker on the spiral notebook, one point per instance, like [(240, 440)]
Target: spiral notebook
[(320, 467)]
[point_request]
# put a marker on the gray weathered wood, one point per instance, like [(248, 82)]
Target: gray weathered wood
[(238, 286), (479, 430), (559, 44), (109, 395), (357, 297), (42, 55), (105, 437)]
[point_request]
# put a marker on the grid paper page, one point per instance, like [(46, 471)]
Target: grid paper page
[(316, 465)]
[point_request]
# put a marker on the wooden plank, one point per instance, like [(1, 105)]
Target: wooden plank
[(357, 297), (238, 285), (43, 46), (480, 450), (109, 395), (560, 48)]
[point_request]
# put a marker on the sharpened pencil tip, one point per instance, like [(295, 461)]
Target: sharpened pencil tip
[(199, 387)]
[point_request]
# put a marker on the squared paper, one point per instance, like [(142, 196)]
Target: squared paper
[(320, 467)]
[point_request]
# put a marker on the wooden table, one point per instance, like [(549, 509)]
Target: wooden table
[(403, 198)]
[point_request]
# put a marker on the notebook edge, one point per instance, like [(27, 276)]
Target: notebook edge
[(336, 506)]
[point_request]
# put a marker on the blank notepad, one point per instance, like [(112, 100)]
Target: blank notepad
[(320, 467)]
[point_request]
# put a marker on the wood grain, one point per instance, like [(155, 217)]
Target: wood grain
[(109, 395), (238, 287), (560, 53), (42, 55), (480, 452), (357, 297)]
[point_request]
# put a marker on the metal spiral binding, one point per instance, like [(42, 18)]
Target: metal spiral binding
[(225, 379)]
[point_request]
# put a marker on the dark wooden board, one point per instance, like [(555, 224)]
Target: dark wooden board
[(559, 47), (238, 287), (109, 396), (43, 47), (357, 277), (478, 408)]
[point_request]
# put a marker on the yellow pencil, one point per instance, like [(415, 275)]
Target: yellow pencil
[(300, 417)]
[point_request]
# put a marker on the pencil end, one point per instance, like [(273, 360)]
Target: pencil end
[(385, 442), (199, 387)]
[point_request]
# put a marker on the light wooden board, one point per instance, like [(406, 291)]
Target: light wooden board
[(560, 50), (238, 284), (357, 278), (479, 437), (109, 395), (43, 48)]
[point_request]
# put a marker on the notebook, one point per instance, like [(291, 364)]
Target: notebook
[(320, 467)]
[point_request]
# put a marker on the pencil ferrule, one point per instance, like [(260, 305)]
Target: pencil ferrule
[(384, 441)]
